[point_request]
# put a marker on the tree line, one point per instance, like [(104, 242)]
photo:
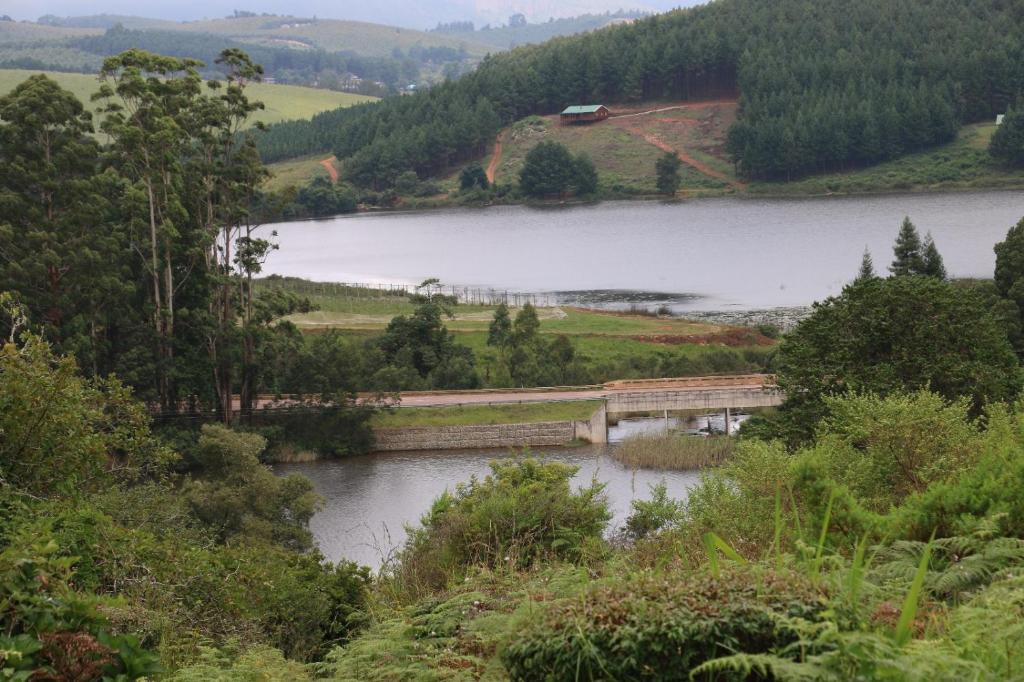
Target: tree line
[(822, 85)]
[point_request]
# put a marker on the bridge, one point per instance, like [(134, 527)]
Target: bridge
[(744, 391), (617, 399)]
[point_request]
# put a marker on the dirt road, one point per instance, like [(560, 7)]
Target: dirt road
[(627, 123), (492, 167), (328, 165)]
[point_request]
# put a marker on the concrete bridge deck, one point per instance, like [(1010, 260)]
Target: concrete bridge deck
[(630, 395)]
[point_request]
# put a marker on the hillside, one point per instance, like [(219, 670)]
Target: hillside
[(851, 85), (625, 147), (283, 102), (332, 35)]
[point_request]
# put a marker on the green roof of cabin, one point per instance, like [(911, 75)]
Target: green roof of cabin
[(587, 109)]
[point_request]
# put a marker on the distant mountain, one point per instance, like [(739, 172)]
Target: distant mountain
[(420, 14)]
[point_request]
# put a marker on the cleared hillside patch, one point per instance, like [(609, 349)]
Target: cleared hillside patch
[(296, 172), (625, 147), (282, 102)]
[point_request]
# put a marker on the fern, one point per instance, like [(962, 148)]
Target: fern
[(959, 564)]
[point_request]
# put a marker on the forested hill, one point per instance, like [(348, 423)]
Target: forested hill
[(824, 85)]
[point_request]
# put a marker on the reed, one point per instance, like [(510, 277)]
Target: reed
[(670, 451)]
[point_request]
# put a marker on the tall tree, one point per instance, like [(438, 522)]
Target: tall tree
[(867, 267), (148, 101), (1009, 277), (908, 255), (1007, 143), (52, 198), (932, 259), (549, 169)]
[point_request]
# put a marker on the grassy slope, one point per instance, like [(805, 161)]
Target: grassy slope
[(372, 40), (960, 165), (624, 160), (24, 32), (295, 172), (283, 102), (513, 413)]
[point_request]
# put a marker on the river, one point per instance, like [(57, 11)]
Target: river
[(707, 254), (370, 498)]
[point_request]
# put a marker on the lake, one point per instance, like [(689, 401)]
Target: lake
[(707, 254), (370, 498)]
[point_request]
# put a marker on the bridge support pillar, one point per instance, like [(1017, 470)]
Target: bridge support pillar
[(728, 415)]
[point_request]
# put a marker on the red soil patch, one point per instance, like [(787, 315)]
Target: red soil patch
[(492, 167), (328, 165), (732, 337)]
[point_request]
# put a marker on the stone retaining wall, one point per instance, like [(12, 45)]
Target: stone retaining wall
[(535, 434)]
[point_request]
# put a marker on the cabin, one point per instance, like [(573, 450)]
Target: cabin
[(589, 113)]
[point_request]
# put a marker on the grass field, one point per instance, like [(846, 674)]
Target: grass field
[(283, 102), (372, 40), (960, 165), (512, 413), (295, 172), (614, 345)]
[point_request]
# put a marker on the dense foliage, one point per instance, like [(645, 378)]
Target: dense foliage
[(520, 513), (1007, 143), (138, 255), (885, 335), (110, 560), (822, 85)]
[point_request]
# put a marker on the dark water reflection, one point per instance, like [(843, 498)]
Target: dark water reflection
[(369, 499)]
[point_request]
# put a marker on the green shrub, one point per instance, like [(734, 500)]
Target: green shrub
[(179, 592), (993, 487), (237, 495), (49, 631), (884, 449), (660, 627), (523, 511), (650, 516)]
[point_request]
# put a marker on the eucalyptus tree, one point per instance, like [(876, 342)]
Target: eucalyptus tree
[(148, 102), (65, 269)]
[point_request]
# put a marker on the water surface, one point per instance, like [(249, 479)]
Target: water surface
[(371, 498), (708, 254)]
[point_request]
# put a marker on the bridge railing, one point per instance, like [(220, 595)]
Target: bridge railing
[(724, 381)]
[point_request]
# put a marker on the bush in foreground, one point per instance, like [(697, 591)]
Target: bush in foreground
[(523, 511), (660, 627)]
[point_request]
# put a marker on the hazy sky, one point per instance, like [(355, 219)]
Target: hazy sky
[(412, 13)]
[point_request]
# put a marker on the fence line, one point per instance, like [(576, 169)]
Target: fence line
[(386, 290)]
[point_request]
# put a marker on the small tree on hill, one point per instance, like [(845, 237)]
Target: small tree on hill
[(1007, 143), (933, 265), (473, 177), (550, 169), (867, 267), (586, 175), (667, 170), (908, 254)]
